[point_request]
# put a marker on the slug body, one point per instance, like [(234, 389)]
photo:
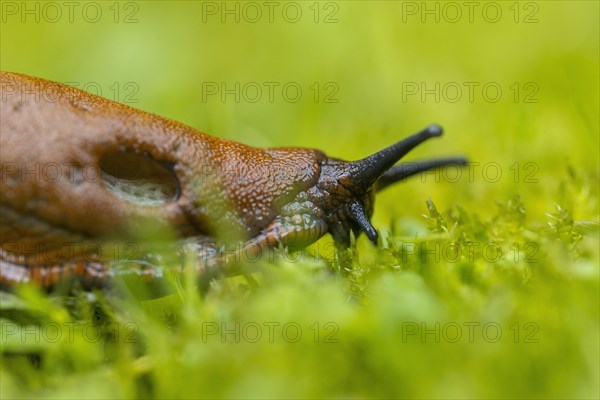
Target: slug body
[(78, 169)]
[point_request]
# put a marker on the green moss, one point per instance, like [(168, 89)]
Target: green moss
[(433, 324)]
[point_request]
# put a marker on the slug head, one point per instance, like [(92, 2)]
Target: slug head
[(344, 194)]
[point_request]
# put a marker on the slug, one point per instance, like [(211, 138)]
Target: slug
[(78, 168)]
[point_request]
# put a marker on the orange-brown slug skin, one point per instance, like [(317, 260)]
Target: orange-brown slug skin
[(61, 146), (48, 127), (54, 136)]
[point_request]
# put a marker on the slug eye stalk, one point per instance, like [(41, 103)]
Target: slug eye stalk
[(404, 170), (374, 173), (367, 171)]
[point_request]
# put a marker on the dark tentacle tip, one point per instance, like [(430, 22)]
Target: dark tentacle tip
[(371, 233), (435, 130), (373, 236), (359, 216)]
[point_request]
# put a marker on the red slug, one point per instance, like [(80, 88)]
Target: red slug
[(78, 168)]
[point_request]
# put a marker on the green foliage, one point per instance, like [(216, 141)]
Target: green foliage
[(457, 312)]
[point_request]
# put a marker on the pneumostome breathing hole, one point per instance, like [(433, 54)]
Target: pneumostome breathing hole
[(138, 178)]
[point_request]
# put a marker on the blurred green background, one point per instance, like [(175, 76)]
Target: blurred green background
[(516, 87)]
